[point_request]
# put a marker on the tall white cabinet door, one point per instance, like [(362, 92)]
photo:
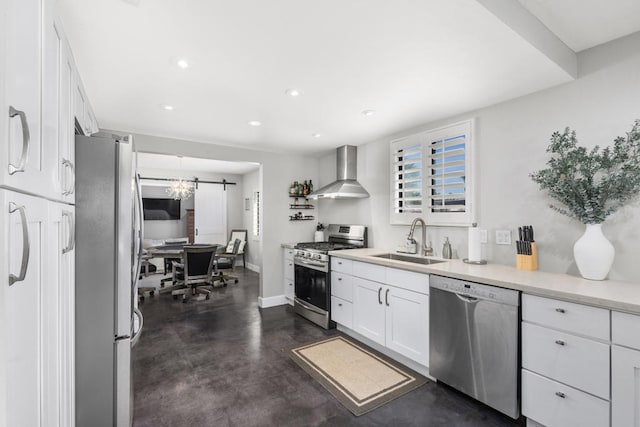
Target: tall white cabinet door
[(407, 323), (57, 108), (59, 316), (24, 234), (625, 387), (22, 153), (369, 309), (210, 213)]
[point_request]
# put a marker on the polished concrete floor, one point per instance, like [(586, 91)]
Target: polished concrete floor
[(222, 362)]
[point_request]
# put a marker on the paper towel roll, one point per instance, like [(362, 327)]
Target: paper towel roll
[(475, 249), (318, 236)]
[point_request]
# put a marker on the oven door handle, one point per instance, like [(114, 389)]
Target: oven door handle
[(310, 307), (312, 265)]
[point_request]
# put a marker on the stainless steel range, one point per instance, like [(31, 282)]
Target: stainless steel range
[(312, 273)]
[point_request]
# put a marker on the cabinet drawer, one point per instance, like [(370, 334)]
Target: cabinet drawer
[(288, 253), (579, 362), (374, 272), (409, 280), (571, 317), (342, 312), (342, 286), (556, 405), (624, 329), (289, 272), (342, 265)]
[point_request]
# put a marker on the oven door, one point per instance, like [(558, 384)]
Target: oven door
[(312, 283)]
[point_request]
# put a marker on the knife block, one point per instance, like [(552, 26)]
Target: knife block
[(528, 262)]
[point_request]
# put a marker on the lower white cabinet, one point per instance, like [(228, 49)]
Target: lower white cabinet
[(625, 370), (289, 274), (37, 305), (394, 317)]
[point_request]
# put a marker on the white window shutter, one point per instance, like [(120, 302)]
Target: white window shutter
[(407, 179)]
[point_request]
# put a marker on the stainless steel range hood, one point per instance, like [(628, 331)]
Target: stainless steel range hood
[(346, 186)]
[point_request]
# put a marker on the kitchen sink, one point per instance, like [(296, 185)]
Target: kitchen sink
[(405, 258)]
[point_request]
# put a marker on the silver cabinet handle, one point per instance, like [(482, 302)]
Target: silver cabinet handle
[(561, 310), (68, 164), (560, 394), (71, 243), (136, 336), (26, 246), (379, 297), (25, 141), (386, 297), (560, 342)]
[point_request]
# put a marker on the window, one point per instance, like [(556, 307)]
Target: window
[(432, 176), (255, 220)]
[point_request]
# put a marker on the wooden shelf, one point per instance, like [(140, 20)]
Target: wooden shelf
[(298, 196), (301, 207), (304, 218)]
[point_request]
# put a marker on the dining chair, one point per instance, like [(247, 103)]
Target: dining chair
[(196, 271), (227, 261)]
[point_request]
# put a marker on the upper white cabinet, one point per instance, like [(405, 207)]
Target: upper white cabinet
[(24, 157)]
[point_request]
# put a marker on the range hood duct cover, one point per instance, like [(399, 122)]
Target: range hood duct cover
[(346, 185)]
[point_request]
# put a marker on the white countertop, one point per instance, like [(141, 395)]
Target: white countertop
[(610, 294), (288, 245)]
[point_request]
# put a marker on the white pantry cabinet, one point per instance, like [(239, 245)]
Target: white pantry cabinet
[(24, 157), (289, 274)]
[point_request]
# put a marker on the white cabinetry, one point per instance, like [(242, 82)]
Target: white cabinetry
[(625, 370), (289, 274), (565, 363), (386, 305)]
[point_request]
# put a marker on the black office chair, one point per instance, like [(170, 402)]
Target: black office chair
[(196, 271), (227, 261)]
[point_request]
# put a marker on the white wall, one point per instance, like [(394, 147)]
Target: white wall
[(278, 171), (511, 140), (166, 229), (250, 184)]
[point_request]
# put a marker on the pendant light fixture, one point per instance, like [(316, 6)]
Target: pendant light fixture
[(180, 189)]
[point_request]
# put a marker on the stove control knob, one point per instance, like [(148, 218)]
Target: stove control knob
[(317, 256)]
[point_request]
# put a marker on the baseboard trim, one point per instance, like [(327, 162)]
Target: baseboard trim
[(271, 301), (253, 267)]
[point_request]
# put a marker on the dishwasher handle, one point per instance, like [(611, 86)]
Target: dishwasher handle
[(466, 298)]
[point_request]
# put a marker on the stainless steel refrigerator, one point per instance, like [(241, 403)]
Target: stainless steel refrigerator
[(108, 249)]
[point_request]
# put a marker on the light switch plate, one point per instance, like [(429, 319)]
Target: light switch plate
[(484, 236), (503, 237)]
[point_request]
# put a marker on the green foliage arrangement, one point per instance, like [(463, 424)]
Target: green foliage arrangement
[(591, 185)]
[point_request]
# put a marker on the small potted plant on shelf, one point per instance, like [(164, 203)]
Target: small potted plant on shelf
[(591, 185)]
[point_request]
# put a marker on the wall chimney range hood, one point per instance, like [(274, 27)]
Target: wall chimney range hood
[(346, 186)]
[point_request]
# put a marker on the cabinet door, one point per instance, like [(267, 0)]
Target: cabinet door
[(625, 387), (407, 318), (57, 114), (79, 101), (369, 309), (23, 156), (24, 233), (59, 314)]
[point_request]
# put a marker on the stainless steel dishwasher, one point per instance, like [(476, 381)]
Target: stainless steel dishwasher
[(474, 341)]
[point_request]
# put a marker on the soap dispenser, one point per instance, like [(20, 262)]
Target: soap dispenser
[(446, 249)]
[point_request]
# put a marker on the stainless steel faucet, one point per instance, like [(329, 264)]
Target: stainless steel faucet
[(427, 250)]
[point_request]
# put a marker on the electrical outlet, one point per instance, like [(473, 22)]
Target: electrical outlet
[(484, 236), (503, 237)]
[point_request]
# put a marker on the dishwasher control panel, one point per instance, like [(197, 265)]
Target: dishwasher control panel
[(475, 290)]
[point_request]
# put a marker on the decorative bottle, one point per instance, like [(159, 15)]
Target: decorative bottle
[(310, 186)]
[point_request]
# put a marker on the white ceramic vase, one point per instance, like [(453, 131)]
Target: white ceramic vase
[(593, 253)]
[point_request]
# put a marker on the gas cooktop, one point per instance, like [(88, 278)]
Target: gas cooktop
[(324, 247)]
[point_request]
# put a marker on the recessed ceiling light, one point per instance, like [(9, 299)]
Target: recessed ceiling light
[(292, 92), (168, 107), (316, 135), (368, 112), (255, 123), (182, 63)]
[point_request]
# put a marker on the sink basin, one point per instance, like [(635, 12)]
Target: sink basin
[(405, 258)]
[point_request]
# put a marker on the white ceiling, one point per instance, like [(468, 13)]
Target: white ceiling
[(582, 24), (410, 61), (190, 166)]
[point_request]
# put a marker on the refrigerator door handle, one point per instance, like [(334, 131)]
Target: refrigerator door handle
[(138, 191), (26, 246), (136, 335)]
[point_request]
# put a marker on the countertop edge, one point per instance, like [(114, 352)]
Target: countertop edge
[(608, 294)]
